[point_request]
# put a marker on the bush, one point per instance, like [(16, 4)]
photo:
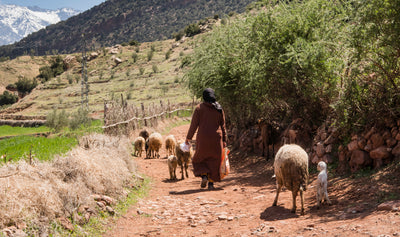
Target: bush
[(150, 55), (155, 68), (192, 30), (134, 43), (79, 118), (8, 98), (168, 54), (281, 64), (56, 68), (178, 35), (57, 121), (25, 86)]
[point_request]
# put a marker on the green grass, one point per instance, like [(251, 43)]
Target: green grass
[(41, 148), (14, 131)]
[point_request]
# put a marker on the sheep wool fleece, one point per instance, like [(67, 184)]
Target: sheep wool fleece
[(211, 133)]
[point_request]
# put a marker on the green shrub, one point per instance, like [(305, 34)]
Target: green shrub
[(135, 57), (56, 68), (155, 68), (134, 43), (24, 85), (192, 30), (79, 118), (8, 98), (141, 71), (168, 54), (150, 55), (57, 121)]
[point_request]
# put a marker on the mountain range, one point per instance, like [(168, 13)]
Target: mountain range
[(118, 21), (17, 22)]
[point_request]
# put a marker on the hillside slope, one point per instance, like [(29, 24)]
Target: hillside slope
[(117, 21), (138, 78)]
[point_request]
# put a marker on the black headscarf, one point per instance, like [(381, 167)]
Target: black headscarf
[(209, 97)]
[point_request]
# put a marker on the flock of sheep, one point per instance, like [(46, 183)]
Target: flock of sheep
[(290, 166), (152, 144)]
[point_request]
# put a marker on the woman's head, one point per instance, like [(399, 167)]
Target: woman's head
[(209, 95)]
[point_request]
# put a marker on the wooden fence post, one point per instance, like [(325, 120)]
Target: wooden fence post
[(144, 115)]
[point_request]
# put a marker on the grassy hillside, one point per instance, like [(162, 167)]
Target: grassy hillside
[(23, 66), (141, 77)]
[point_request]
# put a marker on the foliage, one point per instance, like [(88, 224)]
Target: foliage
[(192, 30), (56, 68), (372, 89), (284, 62), (57, 120), (79, 118), (8, 98), (24, 85)]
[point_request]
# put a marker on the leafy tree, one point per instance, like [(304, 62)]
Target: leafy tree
[(284, 62), (373, 82)]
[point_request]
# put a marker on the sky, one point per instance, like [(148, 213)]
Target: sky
[(82, 5)]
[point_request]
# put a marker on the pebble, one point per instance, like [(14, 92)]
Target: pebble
[(222, 217)]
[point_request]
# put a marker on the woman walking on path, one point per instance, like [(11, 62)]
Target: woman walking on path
[(209, 119)]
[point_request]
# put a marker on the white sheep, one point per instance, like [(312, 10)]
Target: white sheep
[(139, 146), (170, 144), (322, 184), (291, 170), (172, 164), (184, 158), (154, 143)]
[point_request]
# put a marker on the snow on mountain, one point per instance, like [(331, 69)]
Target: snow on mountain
[(16, 22)]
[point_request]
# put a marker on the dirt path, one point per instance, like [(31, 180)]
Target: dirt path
[(241, 206)]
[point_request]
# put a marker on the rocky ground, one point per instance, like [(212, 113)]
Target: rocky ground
[(241, 205)]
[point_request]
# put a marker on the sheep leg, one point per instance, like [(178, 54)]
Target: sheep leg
[(183, 177), (171, 176), (174, 172), (186, 170), (294, 195), (302, 200), (318, 199), (326, 196), (278, 190)]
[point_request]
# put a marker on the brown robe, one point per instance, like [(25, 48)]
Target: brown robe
[(209, 140)]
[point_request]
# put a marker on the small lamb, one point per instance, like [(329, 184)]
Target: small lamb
[(170, 144), (184, 159), (322, 184), (172, 164), (139, 146)]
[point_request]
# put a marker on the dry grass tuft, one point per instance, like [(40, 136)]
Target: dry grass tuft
[(37, 194)]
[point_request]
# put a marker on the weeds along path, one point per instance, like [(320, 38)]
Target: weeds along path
[(242, 206)]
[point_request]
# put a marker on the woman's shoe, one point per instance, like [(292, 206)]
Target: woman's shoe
[(211, 185), (204, 180)]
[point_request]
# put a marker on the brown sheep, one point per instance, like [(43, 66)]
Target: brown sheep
[(172, 164), (139, 146), (184, 158), (154, 143), (170, 144), (269, 134), (291, 170)]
